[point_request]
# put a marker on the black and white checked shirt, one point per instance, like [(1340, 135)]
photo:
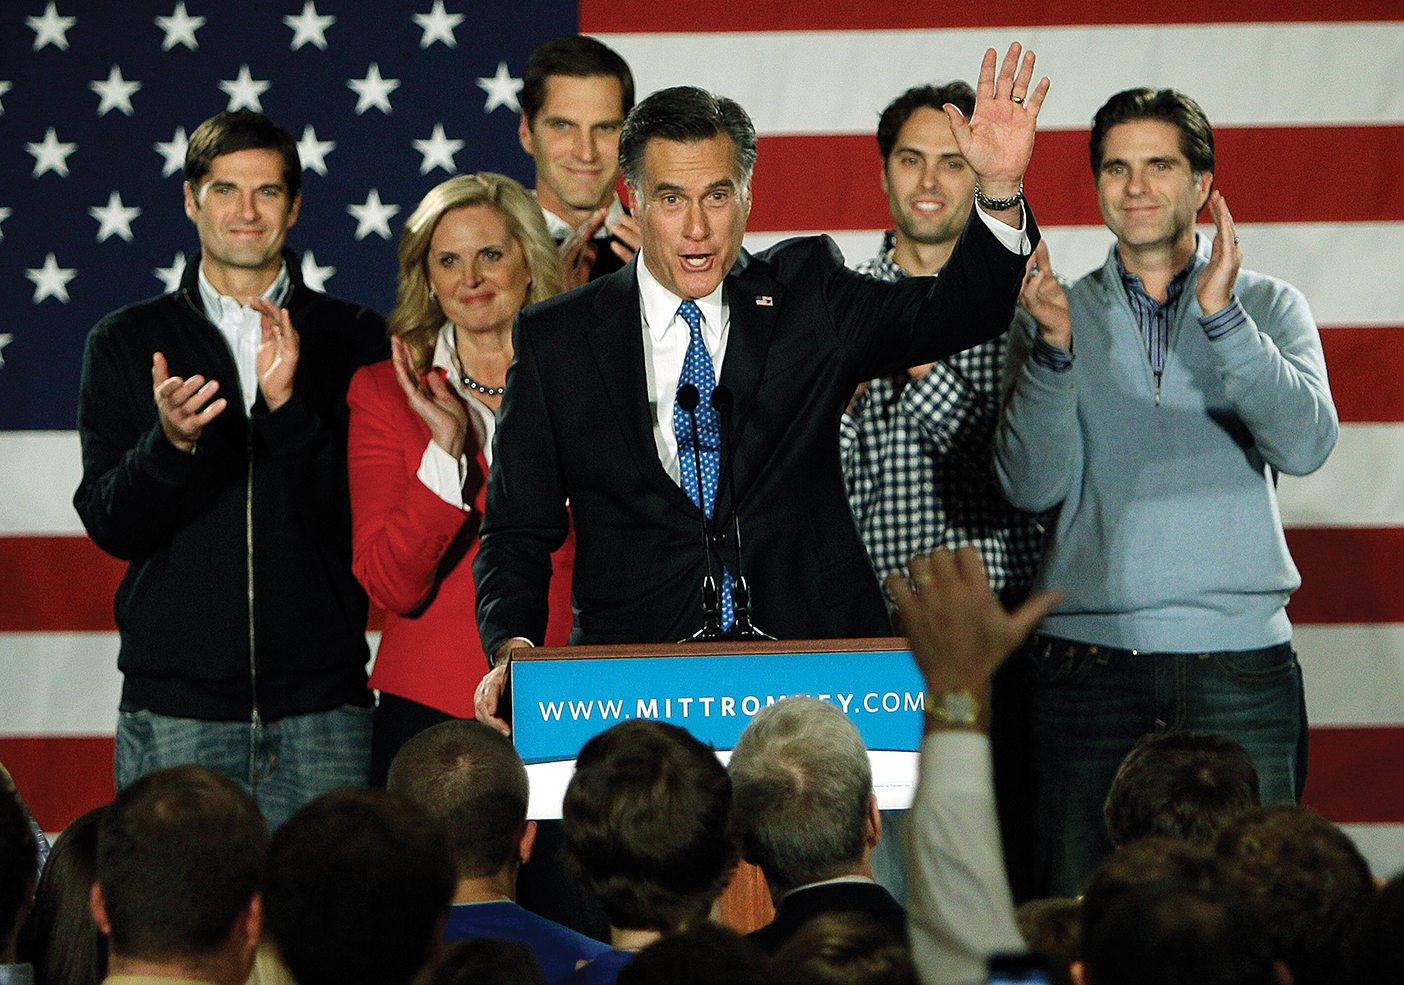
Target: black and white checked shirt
[(918, 461)]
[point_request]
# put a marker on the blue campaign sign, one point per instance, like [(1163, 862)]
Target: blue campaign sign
[(558, 704)]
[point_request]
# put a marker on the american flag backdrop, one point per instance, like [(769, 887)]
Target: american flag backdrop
[(388, 99)]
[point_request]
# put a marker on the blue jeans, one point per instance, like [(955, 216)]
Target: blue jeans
[(284, 764), (1091, 703)]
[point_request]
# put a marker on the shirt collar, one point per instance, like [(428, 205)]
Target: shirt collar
[(560, 229), (884, 266), (214, 301), (1133, 285), (660, 305)]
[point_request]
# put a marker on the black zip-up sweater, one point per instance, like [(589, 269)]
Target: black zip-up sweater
[(238, 598)]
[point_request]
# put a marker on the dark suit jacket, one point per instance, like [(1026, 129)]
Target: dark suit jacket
[(796, 909), (575, 425)]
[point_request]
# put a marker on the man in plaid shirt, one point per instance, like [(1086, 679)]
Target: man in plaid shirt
[(917, 448)]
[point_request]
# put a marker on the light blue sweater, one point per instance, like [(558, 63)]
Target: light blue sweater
[(1167, 535)]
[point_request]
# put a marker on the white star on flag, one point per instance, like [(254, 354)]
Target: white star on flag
[(502, 90), (309, 26), (312, 151), (313, 276), (5, 340), (371, 91), (51, 28), (4, 214), (373, 216), (180, 28), (114, 218), (51, 280), (51, 155), (173, 151), (244, 91), (114, 93), (170, 276), (4, 88), (438, 151), (438, 25)]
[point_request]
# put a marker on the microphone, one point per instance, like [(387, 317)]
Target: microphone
[(743, 628), (688, 398)]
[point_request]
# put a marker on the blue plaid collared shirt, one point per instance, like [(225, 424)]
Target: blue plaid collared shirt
[(918, 461)]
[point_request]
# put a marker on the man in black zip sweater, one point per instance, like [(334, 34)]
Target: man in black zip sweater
[(213, 426)]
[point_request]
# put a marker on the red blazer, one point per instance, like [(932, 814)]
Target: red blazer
[(414, 553)]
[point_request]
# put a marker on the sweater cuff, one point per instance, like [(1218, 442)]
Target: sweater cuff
[(1051, 357), (1224, 321)]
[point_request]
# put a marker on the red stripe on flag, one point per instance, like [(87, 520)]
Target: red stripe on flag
[(60, 777), (1366, 366), (613, 17), (57, 584), (1353, 776), (1349, 574), (830, 181), (65, 585)]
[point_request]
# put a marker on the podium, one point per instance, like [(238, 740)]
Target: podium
[(562, 696)]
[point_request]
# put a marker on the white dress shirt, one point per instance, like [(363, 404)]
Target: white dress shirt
[(242, 327), (440, 472)]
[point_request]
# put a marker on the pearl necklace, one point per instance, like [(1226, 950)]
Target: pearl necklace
[(487, 391)]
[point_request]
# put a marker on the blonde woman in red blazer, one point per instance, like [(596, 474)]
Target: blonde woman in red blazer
[(474, 253)]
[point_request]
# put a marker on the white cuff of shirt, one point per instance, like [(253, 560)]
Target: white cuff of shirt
[(1014, 240), (443, 475)]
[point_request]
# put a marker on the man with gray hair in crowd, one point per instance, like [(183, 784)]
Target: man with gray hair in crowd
[(808, 817)]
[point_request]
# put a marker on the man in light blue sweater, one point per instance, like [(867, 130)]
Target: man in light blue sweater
[(1156, 450)]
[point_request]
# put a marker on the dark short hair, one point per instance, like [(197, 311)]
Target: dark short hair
[(844, 948), (1305, 878), (1169, 933), (19, 859), (899, 111), (1144, 861), (356, 884), (179, 855), (647, 825), (577, 56), (1165, 105), (686, 115), (469, 778), (483, 960), (1180, 784), (60, 937), (243, 129), (802, 782), (705, 954)]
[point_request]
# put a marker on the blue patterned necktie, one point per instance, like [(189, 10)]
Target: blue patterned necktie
[(698, 370)]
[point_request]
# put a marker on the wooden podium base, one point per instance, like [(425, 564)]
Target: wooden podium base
[(745, 905)]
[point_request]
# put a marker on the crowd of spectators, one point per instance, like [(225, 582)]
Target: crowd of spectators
[(178, 878)]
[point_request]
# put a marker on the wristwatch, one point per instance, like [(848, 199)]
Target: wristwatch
[(960, 708)]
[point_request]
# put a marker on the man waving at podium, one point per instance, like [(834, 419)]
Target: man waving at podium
[(687, 406)]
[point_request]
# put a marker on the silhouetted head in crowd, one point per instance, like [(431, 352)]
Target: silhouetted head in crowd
[(1305, 879), (843, 948), (705, 954), (803, 791), (1052, 928), (179, 857), (1169, 933), (469, 778), (647, 826), (1184, 785), (60, 938), (488, 961), (357, 888), (1376, 949), (1140, 863), (19, 868)]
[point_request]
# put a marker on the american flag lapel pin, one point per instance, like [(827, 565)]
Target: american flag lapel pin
[(765, 301)]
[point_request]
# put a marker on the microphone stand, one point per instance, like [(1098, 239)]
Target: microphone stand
[(688, 399), (743, 628)]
